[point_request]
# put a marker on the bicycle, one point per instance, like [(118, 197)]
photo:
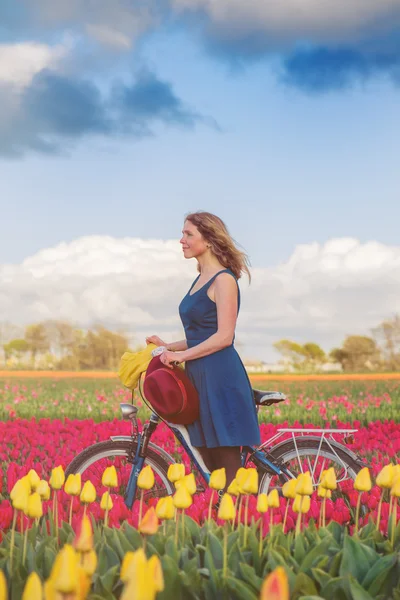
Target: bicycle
[(283, 456)]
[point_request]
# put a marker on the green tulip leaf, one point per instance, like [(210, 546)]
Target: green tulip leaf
[(239, 590), (357, 558)]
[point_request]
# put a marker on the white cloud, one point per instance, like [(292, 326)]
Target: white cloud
[(293, 20), (322, 293), (20, 62), (109, 37)]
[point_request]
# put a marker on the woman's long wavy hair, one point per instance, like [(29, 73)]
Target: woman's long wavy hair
[(215, 232)]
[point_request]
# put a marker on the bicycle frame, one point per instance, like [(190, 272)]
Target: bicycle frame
[(259, 453), (182, 435)]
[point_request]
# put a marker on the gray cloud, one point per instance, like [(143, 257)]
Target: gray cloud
[(364, 34), (54, 110)]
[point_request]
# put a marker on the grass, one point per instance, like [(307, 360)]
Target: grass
[(317, 402)]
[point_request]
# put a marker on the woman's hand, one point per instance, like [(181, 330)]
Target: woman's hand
[(154, 339), (169, 358)]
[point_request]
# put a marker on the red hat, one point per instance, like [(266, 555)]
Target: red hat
[(171, 393)]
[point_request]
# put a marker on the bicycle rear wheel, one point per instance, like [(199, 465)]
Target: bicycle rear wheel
[(92, 462), (310, 455)]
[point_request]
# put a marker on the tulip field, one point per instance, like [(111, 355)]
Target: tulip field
[(73, 539)]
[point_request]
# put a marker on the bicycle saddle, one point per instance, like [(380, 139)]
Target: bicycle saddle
[(263, 398)]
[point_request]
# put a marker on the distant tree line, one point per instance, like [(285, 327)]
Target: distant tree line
[(358, 353), (61, 345)]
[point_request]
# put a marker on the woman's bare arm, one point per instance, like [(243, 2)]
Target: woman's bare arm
[(177, 346)]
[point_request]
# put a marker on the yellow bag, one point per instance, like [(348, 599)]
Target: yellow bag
[(133, 364)]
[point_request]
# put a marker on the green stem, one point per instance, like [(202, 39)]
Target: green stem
[(225, 563), (324, 512), (140, 506), (106, 515), (246, 516), (210, 506), (286, 513), (378, 519), (394, 518), (176, 526), (271, 521), (358, 512), (25, 544), (56, 515), (261, 537), (298, 524), (183, 526), (13, 538), (70, 510), (240, 509)]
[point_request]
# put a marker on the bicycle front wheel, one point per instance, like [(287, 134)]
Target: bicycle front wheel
[(92, 462)]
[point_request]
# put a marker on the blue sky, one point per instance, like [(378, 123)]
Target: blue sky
[(117, 126)]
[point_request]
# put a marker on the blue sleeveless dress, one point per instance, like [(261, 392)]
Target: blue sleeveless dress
[(228, 415)]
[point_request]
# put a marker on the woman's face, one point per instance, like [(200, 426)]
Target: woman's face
[(193, 243)]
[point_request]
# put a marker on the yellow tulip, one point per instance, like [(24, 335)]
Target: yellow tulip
[(275, 586), (273, 499), (385, 477), (22, 485), (155, 573), (3, 586), (395, 489), (146, 478), (189, 482), (226, 510), (362, 482), (304, 485), (241, 476), (262, 503), (233, 488), (218, 479), (84, 539), (110, 478), (57, 478), (88, 493), (182, 498), (88, 562), (34, 508), (33, 588), (106, 502), (165, 508), (20, 501), (131, 562), (328, 480), (149, 524), (289, 488), (73, 485), (175, 472), (66, 579), (250, 484), (324, 492), (138, 586), (305, 505), (43, 489), (34, 479)]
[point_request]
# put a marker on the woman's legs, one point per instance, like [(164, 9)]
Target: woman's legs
[(228, 457), (207, 456)]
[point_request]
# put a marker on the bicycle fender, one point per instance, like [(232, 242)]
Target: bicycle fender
[(154, 447), (317, 438)]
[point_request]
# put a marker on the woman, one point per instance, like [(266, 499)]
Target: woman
[(228, 416)]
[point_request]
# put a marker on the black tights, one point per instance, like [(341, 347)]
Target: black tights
[(223, 456)]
